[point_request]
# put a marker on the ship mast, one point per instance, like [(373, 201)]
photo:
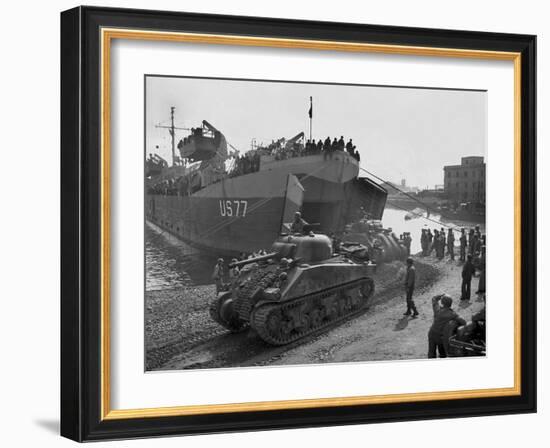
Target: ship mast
[(173, 134), (172, 130)]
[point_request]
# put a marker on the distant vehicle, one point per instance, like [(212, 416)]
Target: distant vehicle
[(382, 245), (300, 288), (416, 213)]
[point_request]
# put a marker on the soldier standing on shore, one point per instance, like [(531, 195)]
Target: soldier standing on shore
[(481, 284), (463, 244), (451, 244), (442, 244), (424, 242), (435, 244), (471, 242), (218, 274), (407, 242), (233, 273), (478, 241), (410, 280), (429, 245), (467, 272)]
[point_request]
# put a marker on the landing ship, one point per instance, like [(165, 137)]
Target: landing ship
[(225, 203)]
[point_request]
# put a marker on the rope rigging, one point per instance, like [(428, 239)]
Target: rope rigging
[(454, 227)]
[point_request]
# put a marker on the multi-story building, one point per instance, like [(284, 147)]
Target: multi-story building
[(466, 182)]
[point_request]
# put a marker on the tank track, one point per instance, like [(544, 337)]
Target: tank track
[(269, 314)]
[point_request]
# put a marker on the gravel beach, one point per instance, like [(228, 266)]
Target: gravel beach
[(179, 333)]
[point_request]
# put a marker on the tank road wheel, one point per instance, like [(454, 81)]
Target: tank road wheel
[(274, 323), (367, 290), (342, 305), (316, 317), (305, 322), (271, 325), (221, 310), (334, 310)]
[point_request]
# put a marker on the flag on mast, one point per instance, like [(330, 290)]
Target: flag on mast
[(310, 107)]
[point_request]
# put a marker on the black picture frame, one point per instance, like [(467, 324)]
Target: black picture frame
[(81, 224)]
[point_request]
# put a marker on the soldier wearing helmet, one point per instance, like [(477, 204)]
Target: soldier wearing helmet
[(410, 280), (443, 316), (281, 280), (298, 223), (283, 264), (233, 273), (218, 275)]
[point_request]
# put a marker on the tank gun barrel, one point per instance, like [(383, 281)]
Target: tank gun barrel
[(253, 260)]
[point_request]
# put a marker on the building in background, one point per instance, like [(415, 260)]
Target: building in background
[(466, 182)]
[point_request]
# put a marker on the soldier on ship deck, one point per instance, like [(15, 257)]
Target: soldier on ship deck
[(350, 147), (320, 146), (326, 147)]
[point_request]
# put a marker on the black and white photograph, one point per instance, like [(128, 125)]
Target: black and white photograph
[(290, 223), (274, 224)]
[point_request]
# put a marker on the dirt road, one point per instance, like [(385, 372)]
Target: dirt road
[(179, 333)]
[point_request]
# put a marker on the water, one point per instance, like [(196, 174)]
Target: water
[(170, 263)]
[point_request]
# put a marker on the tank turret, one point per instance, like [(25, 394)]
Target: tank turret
[(301, 287)]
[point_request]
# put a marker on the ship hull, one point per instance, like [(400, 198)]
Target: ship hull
[(246, 213), (242, 214), (207, 228)]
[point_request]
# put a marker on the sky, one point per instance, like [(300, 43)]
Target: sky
[(401, 133)]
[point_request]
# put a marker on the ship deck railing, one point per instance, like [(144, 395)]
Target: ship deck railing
[(267, 161)]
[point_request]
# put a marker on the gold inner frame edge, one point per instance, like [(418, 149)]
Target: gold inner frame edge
[(107, 35)]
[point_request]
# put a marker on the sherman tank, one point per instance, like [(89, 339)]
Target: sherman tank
[(299, 288), (382, 244)]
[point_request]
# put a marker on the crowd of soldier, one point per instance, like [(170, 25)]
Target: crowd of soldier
[(406, 240), (471, 253), (444, 317), (246, 163), (168, 187), (250, 161), (327, 147)]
